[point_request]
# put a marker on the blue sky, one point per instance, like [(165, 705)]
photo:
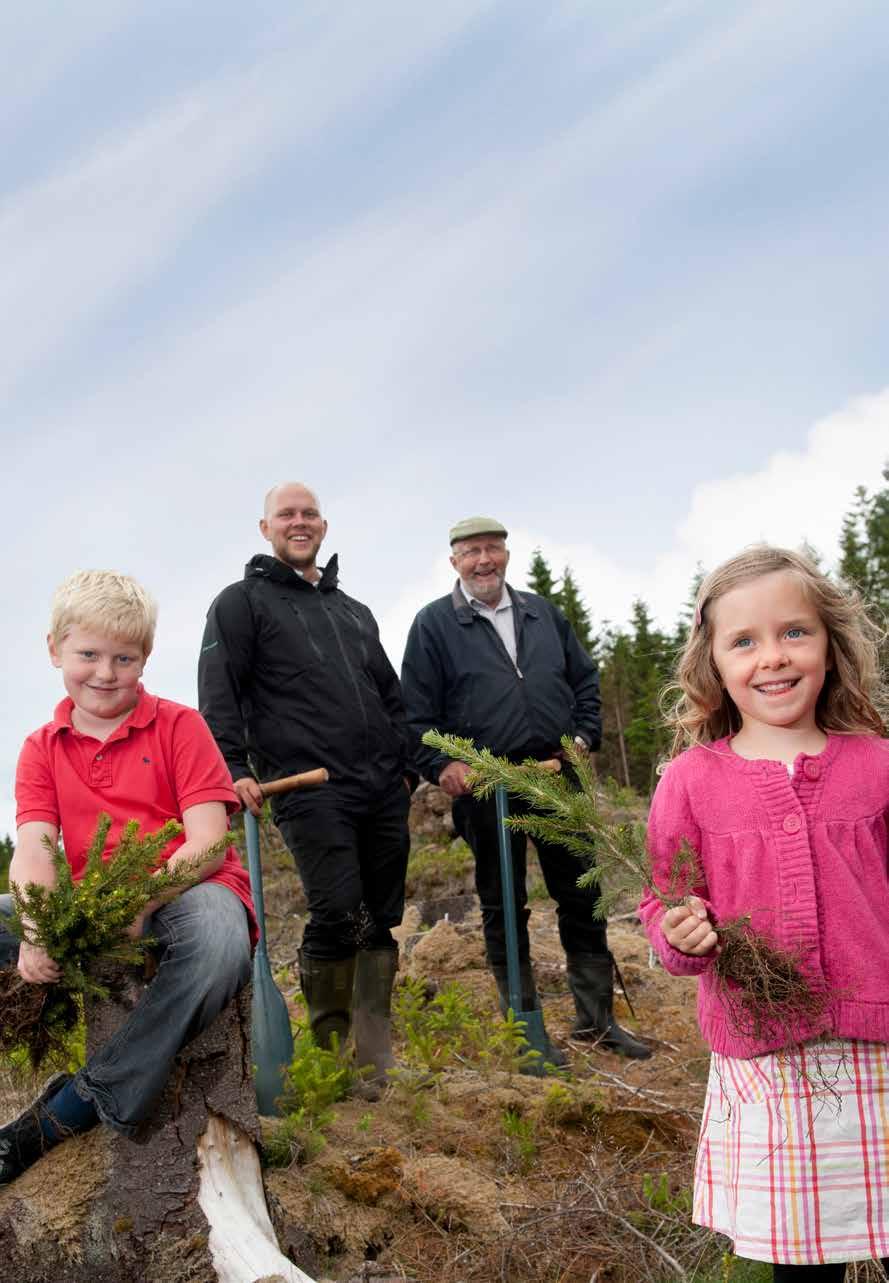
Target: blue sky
[(615, 273)]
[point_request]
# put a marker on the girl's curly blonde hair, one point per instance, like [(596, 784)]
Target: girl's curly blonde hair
[(852, 700)]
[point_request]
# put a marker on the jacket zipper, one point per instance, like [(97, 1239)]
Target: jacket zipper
[(499, 644), (350, 670)]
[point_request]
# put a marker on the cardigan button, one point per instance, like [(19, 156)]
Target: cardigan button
[(811, 770), (792, 824)]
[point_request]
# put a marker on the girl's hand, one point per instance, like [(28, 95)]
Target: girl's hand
[(688, 928), (36, 966)]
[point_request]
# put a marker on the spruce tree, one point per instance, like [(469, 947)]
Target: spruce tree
[(572, 606), (687, 613), (853, 550), (650, 666), (540, 579), (864, 552), (615, 687)]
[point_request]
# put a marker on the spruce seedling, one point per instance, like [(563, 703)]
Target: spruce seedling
[(82, 925), (766, 994)]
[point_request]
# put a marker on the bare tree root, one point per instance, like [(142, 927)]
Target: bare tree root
[(36, 1018), (762, 988)]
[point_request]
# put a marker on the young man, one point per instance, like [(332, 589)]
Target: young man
[(505, 669), (113, 747), (292, 676)]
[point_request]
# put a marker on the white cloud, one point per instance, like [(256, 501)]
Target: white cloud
[(796, 496)]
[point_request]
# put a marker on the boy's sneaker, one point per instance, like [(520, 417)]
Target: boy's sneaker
[(23, 1141)]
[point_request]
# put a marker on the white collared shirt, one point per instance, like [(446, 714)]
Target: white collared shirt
[(501, 616), (302, 575)]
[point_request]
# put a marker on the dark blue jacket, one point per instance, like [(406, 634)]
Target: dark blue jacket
[(458, 678)]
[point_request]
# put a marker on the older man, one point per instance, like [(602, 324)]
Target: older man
[(292, 676), (505, 668)]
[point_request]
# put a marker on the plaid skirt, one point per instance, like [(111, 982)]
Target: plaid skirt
[(793, 1155)]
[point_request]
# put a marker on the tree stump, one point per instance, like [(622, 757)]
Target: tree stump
[(182, 1202)]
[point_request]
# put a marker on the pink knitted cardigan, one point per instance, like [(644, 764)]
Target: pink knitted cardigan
[(805, 855)]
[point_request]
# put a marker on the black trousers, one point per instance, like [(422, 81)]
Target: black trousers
[(833, 1273), (351, 853), (476, 822)]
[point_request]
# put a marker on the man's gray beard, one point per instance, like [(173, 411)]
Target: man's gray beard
[(493, 595)]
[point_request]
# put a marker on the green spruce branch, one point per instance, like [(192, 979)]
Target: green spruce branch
[(83, 925), (613, 856)]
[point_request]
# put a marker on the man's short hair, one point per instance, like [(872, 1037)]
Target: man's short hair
[(285, 485), (112, 604), (469, 527)]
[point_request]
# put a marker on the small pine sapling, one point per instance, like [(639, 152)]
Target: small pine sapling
[(82, 926), (766, 995)]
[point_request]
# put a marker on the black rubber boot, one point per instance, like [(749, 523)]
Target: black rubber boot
[(371, 1019), (530, 1002), (327, 988), (591, 977)]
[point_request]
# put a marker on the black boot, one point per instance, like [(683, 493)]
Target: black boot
[(327, 988), (530, 1002), (371, 1021), (23, 1140), (591, 977)]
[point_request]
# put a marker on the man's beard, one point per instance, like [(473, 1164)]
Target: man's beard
[(489, 591), (298, 558)]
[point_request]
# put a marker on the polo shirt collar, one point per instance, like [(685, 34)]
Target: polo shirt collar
[(142, 715)]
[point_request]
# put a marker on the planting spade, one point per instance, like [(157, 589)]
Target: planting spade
[(271, 1038), (535, 1032)]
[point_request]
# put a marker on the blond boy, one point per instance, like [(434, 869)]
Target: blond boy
[(113, 747)]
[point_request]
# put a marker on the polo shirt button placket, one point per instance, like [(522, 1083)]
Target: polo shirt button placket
[(100, 773)]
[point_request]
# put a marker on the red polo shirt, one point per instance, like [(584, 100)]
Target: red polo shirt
[(151, 768)]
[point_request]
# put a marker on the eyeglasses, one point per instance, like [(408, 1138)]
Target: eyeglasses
[(475, 552)]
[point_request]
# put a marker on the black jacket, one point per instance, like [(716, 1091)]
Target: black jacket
[(458, 678), (292, 677)]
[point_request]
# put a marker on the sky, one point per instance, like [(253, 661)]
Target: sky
[(614, 273)]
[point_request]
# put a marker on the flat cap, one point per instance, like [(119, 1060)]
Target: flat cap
[(469, 527)]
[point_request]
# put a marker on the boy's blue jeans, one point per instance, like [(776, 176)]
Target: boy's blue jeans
[(203, 955)]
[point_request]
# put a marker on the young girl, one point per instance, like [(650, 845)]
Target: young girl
[(783, 793)]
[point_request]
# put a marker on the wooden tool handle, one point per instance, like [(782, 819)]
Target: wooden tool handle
[(305, 780)]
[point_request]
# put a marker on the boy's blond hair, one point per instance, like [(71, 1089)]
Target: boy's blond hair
[(697, 706), (108, 602)]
